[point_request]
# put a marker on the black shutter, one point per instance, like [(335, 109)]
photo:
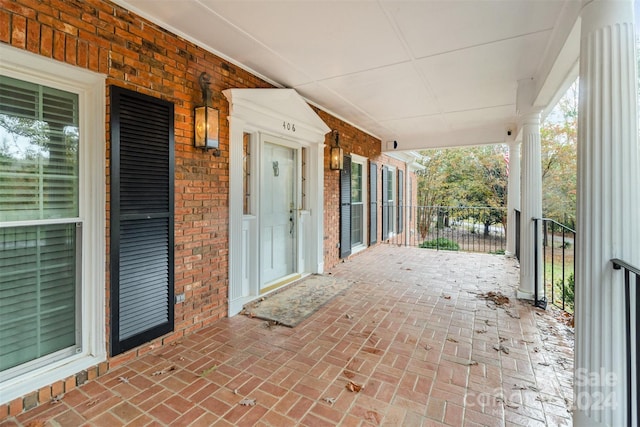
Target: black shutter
[(345, 208), (400, 201), (373, 203), (385, 205), (141, 250)]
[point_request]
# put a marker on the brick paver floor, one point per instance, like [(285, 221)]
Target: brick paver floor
[(413, 330)]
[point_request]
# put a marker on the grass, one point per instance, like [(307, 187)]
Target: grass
[(440, 243)]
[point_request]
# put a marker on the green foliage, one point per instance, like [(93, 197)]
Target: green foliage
[(440, 243), (569, 292), (497, 252), (467, 176), (559, 139)]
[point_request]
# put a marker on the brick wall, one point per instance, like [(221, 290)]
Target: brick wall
[(138, 55)]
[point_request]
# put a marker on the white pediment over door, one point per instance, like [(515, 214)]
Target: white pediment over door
[(282, 112)]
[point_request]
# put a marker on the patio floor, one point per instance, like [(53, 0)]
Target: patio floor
[(413, 330)]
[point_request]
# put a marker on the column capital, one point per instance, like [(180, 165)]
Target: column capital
[(603, 13)]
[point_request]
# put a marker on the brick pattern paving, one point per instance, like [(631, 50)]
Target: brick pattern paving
[(413, 330)]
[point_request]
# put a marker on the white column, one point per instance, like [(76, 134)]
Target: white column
[(513, 195), (531, 204), (236, 132), (607, 208)]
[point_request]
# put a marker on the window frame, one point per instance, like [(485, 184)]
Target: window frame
[(90, 88), (364, 199)]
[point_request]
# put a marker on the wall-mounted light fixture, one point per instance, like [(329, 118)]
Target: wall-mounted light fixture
[(206, 120), (336, 157)]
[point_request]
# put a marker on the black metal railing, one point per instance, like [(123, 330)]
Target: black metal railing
[(473, 229), (557, 264), (517, 233), (632, 337)]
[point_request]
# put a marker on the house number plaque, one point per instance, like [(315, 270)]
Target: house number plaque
[(289, 126)]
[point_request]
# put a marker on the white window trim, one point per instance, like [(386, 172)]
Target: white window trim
[(90, 88), (362, 161)]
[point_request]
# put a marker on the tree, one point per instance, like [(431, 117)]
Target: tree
[(558, 135), (469, 176)]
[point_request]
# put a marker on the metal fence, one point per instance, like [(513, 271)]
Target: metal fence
[(473, 229), (632, 338), (557, 264)]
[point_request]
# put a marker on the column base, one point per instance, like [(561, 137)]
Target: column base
[(524, 295)]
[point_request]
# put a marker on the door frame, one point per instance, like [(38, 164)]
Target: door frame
[(284, 114), (263, 286)]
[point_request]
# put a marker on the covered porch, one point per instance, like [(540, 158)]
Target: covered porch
[(414, 330)]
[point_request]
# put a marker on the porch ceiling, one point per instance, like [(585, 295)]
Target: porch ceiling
[(424, 73)]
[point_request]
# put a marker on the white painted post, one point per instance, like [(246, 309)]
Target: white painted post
[(531, 203), (513, 195), (608, 204)]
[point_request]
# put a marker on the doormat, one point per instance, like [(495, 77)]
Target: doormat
[(298, 301)]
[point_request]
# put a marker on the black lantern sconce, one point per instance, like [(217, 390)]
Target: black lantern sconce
[(336, 158), (206, 120)]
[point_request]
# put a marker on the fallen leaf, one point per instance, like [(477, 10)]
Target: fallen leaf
[(427, 347), (36, 423), (349, 374), (209, 370), (57, 399), (124, 380), (348, 316), (235, 391), (248, 402), (330, 400), (510, 314), (93, 402), (373, 416), (544, 364), (163, 371), (353, 387), (446, 296), (468, 363), (452, 340), (501, 348), (536, 349), (519, 387), (481, 331)]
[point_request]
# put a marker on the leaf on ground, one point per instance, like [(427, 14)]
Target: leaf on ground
[(329, 400), (248, 402), (164, 371), (533, 388), (519, 387), (536, 350), (481, 331), (501, 348), (349, 374), (348, 316), (496, 297), (468, 363), (353, 387), (209, 370), (446, 296), (175, 343), (544, 364), (452, 340), (57, 399), (93, 402), (124, 380), (543, 398), (36, 423), (374, 417), (427, 347), (511, 314)]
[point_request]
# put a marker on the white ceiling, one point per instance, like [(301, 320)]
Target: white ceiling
[(426, 73)]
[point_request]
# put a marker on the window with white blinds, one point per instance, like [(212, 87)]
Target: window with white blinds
[(40, 227)]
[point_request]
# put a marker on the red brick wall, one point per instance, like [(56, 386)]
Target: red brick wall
[(352, 141), (134, 53)]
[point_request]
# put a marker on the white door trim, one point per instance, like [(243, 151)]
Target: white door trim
[(284, 114)]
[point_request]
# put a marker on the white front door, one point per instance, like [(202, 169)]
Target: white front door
[(278, 214)]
